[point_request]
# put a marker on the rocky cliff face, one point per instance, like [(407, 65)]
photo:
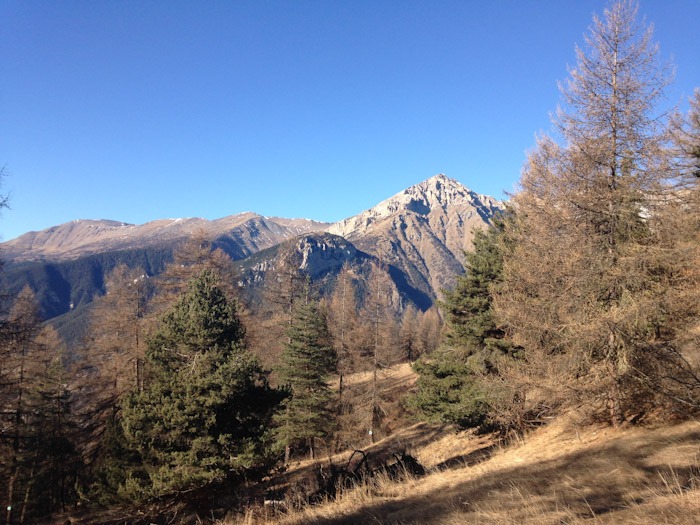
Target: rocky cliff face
[(424, 230), (321, 257), (314, 254)]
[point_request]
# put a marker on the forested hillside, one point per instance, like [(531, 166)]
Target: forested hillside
[(418, 236)]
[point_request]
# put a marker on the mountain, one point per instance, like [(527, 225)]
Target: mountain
[(66, 265), (418, 235), (321, 256), (244, 234), (423, 230)]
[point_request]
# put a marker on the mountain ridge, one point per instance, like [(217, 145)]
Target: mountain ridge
[(419, 235), (82, 237), (86, 236)]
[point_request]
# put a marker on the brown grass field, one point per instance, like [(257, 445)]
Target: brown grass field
[(566, 472)]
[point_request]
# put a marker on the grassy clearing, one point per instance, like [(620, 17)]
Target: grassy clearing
[(562, 473)]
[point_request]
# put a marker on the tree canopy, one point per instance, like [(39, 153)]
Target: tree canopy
[(307, 360), (206, 406), (450, 387), (587, 285)]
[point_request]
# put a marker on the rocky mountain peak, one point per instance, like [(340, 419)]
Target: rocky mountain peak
[(438, 193), (423, 230)]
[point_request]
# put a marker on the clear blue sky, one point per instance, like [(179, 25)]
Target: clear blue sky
[(134, 111)]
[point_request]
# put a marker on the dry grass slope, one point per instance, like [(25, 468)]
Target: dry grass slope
[(562, 473)]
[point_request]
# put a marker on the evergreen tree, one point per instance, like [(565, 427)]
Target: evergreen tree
[(111, 465), (450, 387), (191, 257), (206, 406), (468, 307), (307, 360)]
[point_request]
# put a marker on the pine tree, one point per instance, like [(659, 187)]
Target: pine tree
[(190, 258), (307, 360), (468, 307), (206, 406), (449, 389), (450, 386)]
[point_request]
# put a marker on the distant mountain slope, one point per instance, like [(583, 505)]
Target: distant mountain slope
[(423, 230), (242, 234), (63, 285), (66, 265), (419, 235), (321, 256)]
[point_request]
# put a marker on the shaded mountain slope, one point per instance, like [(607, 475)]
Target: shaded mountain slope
[(321, 256)]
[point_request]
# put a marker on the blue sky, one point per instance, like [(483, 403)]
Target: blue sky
[(134, 111)]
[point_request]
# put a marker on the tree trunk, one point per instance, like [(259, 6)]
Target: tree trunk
[(10, 494), (27, 492)]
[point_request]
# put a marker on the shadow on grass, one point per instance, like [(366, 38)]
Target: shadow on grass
[(586, 484), (467, 460), (304, 475)]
